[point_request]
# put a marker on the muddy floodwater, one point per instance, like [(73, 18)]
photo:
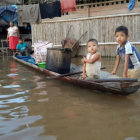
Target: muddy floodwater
[(35, 108)]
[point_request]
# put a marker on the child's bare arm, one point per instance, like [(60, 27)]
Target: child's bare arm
[(82, 60), (84, 71), (125, 70), (116, 64), (95, 58)]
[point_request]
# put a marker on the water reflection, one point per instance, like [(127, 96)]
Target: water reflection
[(15, 119), (14, 94), (40, 109), (12, 86), (13, 71), (31, 133), (12, 125), (12, 74), (131, 138), (15, 100), (4, 106)]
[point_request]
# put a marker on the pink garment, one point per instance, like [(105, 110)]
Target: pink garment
[(13, 41), (68, 5)]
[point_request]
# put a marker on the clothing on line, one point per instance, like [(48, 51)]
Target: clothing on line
[(68, 5), (29, 14), (131, 4), (10, 2), (50, 10)]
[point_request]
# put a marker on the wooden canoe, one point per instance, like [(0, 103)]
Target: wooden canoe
[(117, 88)]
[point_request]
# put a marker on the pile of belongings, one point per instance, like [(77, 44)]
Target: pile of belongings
[(40, 50), (71, 43), (29, 59)]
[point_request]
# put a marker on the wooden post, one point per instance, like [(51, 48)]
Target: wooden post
[(88, 11)]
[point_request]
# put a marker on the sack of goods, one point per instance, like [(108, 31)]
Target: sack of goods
[(40, 50)]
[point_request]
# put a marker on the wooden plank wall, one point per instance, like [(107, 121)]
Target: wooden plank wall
[(101, 28), (105, 50), (102, 3)]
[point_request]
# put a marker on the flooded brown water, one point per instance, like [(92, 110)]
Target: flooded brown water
[(34, 108)]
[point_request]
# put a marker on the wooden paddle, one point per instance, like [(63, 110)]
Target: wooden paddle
[(67, 74)]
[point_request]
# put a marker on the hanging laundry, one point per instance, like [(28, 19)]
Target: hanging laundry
[(50, 10), (8, 13), (68, 5), (10, 2), (131, 4), (29, 14)]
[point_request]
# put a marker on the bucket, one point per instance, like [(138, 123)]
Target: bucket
[(59, 60), (42, 65)]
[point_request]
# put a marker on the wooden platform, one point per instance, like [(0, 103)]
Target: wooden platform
[(3, 48)]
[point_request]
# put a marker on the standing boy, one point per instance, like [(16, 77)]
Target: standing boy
[(128, 53)]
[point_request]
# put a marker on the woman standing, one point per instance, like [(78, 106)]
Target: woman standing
[(12, 36)]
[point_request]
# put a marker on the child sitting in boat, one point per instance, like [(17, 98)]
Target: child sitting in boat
[(128, 53), (92, 62), (22, 47)]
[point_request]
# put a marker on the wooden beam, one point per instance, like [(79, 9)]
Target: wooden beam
[(88, 18), (103, 43)]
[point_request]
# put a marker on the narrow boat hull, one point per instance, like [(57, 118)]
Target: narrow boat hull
[(103, 87)]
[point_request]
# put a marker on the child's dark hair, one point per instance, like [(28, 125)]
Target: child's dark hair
[(93, 40), (122, 29), (20, 38)]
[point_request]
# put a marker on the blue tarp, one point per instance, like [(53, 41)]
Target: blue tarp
[(27, 59), (8, 13), (131, 4), (15, 6)]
